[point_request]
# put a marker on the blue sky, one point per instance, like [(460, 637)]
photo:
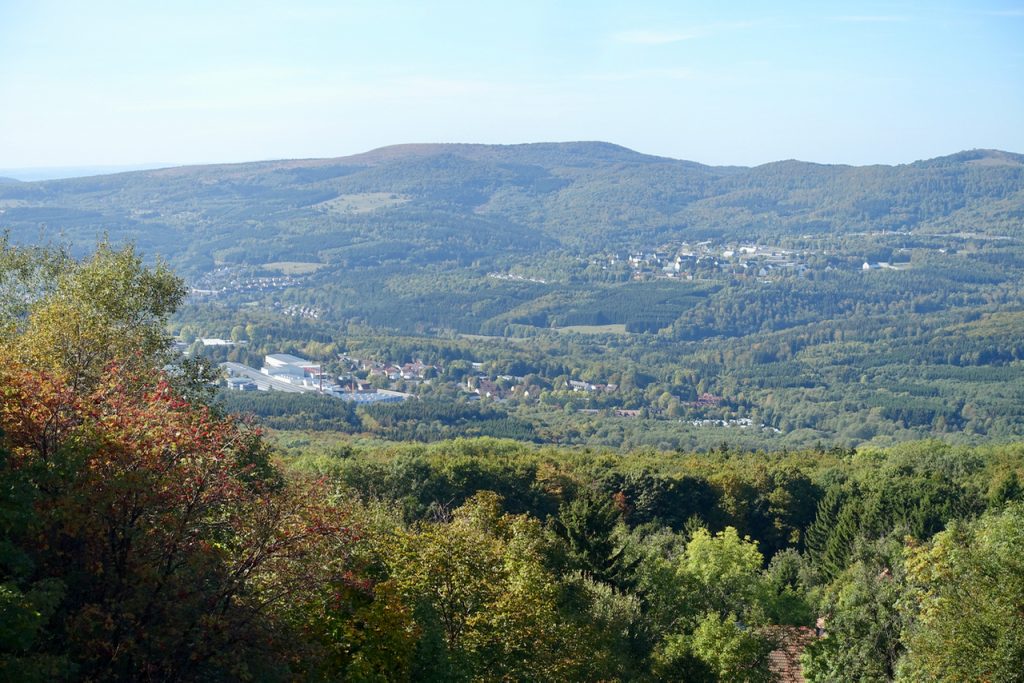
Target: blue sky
[(133, 82)]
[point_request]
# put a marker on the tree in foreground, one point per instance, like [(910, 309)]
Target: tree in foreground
[(144, 537), (486, 606), (968, 588), (79, 316), (863, 618)]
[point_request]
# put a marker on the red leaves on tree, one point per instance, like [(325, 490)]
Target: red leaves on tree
[(174, 533)]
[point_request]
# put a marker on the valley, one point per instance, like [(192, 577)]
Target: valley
[(818, 304)]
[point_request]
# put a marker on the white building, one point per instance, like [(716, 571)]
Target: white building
[(241, 384), (291, 368), (214, 341)]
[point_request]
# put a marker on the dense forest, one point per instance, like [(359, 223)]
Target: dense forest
[(149, 534)]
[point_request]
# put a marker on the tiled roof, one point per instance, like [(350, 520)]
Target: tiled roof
[(785, 661)]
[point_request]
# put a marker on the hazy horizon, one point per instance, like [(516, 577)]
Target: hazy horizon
[(39, 173), (122, 84)]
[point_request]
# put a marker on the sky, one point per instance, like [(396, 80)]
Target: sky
[(138, 82)]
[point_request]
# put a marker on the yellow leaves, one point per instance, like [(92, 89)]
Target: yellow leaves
[(106, 307), (968, 583), (479, 580)]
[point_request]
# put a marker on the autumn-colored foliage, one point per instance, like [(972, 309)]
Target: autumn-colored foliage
[(170, 530)]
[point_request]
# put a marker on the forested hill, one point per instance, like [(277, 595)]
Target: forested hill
[(437, 203)]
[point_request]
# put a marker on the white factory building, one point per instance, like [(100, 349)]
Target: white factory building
[(289, 368), (285, 372)]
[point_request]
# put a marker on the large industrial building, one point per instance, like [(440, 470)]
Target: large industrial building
[(289, 368), (285, 372)]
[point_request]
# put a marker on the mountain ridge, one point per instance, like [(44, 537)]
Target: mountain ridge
[(456, 202), (402, 151)]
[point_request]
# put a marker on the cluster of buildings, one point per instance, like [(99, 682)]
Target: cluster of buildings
[(588, 388), (740, 422), (501, 387), (311, 312), (414, 372), (690, 261), (288, 373), (230, 279), (687, 261), (514, 386)]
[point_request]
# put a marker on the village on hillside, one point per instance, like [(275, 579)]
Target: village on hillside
[(367, 381), (708, 259)]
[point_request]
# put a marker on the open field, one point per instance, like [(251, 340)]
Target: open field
[(293, 267), (593, 329), (363, 202)]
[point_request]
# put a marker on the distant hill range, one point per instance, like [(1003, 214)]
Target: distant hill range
[(463, 203)]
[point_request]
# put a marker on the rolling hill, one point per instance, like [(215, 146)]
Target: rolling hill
[(465, 203)]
